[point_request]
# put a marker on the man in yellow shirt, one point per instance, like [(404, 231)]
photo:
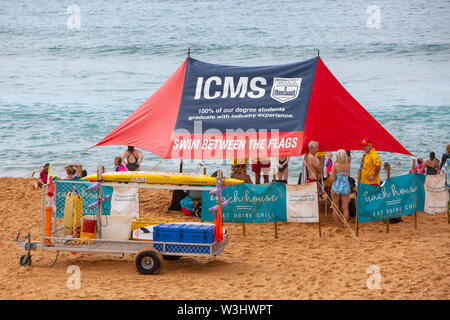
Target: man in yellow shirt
[(371, 164)]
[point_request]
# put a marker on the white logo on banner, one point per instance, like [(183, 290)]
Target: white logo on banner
[(285, 89)]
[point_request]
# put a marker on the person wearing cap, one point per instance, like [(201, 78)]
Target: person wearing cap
[(371, 164)]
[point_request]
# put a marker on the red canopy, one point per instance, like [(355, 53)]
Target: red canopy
[(316, 107), (338, 121)]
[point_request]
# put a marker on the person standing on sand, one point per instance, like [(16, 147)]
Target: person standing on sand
[(340, 184), (370, 164), (261, 165), (239, 169), (132, 159), (43, 176), (328, 164), (445, 156), (321, 157), (313, 167), (283, 169), (432, 165)]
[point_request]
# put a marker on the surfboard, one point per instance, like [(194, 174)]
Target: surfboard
[(161, 178)]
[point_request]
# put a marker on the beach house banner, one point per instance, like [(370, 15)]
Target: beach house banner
[(211, 111), (265, 203), (436, 194), (398, 196)]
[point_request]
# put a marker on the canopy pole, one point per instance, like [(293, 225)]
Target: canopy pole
[(318, 52), (275, 225), (388, 175), (189, 52)]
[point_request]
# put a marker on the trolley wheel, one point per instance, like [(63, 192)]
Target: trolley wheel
[(25, 260), (148, 261), (166, 257)]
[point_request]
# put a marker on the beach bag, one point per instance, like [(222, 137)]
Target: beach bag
[(187, 206), (352, 208)]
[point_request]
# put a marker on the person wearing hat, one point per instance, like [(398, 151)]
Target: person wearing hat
[(370, 165)]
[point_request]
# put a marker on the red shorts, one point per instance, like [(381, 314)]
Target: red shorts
[(258, 166)]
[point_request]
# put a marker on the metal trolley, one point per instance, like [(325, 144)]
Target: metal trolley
[(149, 254)]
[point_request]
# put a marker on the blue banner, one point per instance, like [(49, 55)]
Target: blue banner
[(246, 97), (265, 203), (89, 197), (249, 203), (397, 197)]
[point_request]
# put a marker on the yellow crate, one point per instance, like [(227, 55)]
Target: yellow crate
[(145, 222)]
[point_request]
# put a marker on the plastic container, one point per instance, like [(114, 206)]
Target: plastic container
[(197, 233), (143, 234), (168, 232), (184, 233)]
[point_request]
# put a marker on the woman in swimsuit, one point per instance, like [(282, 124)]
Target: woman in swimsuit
[(432, 165), (341, 186), (282, 173), (132, 159)]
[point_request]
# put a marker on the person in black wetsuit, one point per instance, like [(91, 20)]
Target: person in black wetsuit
[(132, 159)]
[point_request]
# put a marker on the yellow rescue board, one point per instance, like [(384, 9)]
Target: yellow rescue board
[(161, 178)]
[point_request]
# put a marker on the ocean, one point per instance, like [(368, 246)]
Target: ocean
[(71, 71)]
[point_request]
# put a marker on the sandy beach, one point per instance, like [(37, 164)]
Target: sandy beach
[(414, 264)]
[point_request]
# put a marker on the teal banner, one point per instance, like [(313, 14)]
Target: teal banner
[(397, 197), (249, 203), (63, 187)]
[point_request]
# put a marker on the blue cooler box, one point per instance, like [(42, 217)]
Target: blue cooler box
[(184, 233)]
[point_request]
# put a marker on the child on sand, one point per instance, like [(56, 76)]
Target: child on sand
[(118, 165), (43, 176)]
